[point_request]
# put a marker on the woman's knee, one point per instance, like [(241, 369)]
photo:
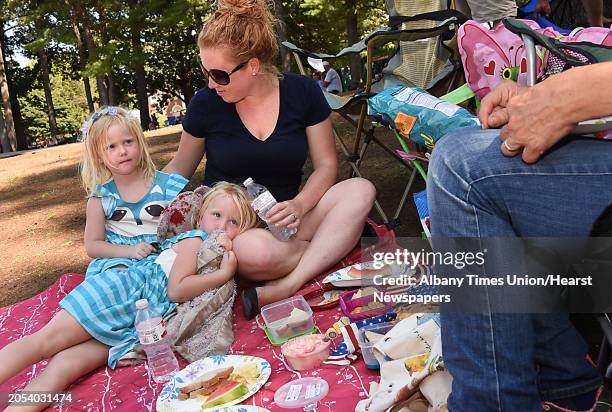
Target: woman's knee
[(366, 190), (360, 192), (252, 251)]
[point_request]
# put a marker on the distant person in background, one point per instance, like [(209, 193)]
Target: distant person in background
[(487, 11), (493, 11), (594, 12), (331, 82), (154, 123), (317, 78), (592, 8)]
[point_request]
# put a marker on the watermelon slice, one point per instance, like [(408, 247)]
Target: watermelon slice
[(226, 392)]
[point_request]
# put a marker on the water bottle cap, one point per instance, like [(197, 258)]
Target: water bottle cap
[(248, 181), (142, 304)]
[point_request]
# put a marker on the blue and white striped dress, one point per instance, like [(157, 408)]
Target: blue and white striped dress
[(105, 305), (131, 223)]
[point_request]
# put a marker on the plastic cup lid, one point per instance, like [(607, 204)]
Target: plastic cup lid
[(301, 393)]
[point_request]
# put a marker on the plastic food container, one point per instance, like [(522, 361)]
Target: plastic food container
[(367, 341), (287, 319), (301, 393), (350, 306), (306, 352)]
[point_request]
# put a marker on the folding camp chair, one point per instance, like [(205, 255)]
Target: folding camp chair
[(422, 59)]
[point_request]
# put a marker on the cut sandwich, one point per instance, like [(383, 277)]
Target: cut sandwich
[(210, 379)]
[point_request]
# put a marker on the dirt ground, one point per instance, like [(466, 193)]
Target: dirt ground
[(42, 208)]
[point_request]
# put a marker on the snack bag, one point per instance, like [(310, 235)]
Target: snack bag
[(418, 115)]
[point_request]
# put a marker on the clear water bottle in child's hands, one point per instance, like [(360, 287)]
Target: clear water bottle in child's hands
[(153, 338), (262, 201)]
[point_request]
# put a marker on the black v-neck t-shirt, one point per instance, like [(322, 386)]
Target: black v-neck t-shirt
[(233, 153)]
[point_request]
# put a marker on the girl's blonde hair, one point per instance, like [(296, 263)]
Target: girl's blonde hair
[(93, 169), (246, 27), (247, 217)]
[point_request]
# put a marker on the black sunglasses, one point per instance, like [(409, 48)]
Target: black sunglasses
[(219, 76)]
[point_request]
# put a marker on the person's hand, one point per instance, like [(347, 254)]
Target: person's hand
[(532, 119), (229, 264), (139, 250), (289, 214), (492, 113), (225, 241), (542, 8)]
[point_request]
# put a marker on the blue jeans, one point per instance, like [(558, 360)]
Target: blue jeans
[(503, 361)]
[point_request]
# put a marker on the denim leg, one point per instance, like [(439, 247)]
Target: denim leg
[(511, 361)]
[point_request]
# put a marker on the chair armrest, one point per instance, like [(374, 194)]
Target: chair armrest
[(582, 128)]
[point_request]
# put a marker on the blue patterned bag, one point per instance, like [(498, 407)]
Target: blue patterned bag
[(418, 115)]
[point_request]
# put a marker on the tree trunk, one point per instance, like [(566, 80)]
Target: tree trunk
[(5, 145), (22, 138), (112, 91), (82, 62), (281, 30), (6, 104), (141, 94), (141, 81), (187, 91), (138, 64), (81, 15), (353, 37), (88, 96), (91, 46), (110, 81), (46, 81)]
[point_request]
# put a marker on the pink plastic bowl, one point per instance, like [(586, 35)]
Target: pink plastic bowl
[(306, 352)]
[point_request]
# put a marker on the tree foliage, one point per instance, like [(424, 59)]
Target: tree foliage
[(124, 50), (69, 101)]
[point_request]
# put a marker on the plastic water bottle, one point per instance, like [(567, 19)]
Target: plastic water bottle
[(262, 201), (152, 334)]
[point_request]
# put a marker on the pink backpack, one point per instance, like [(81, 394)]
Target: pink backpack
[(492, 55)]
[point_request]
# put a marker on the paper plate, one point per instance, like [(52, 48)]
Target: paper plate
[(346, 277), (168, 397)]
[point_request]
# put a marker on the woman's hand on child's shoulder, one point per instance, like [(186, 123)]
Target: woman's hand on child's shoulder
[(229, 264), (140, 250)]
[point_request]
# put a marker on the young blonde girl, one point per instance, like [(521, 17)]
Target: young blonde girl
[(126, 193), (102, 308)]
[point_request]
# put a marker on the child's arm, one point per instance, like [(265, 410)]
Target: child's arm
[(96, 245), (184, 284)]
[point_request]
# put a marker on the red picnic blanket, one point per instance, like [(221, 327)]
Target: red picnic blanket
[(131, 388)]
